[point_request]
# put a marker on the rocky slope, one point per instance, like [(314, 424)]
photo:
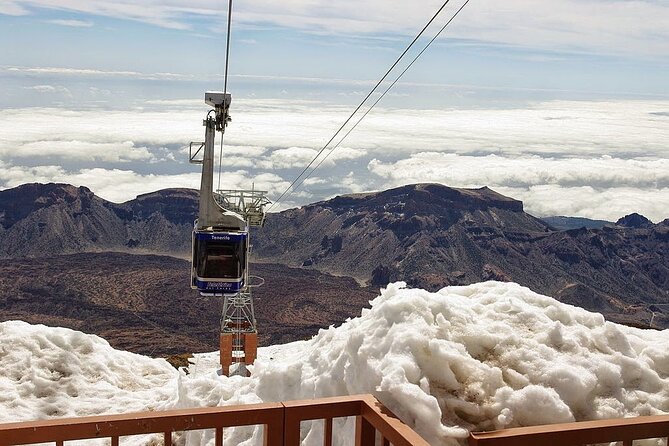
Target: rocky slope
[(38, 220), (143, 303), (432, 236), (562, 223), (419, 233)]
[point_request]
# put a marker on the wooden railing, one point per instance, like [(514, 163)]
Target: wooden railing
[(624, 430), (281, 423)]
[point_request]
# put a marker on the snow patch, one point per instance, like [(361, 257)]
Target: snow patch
[(48, 372)]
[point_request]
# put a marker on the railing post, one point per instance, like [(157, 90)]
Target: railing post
[(365, 434), (275, 428), (327, 432), (291, 427), (219, 436), (388, 425)]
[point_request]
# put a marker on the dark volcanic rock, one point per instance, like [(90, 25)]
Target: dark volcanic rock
[(51, 219), (432, 236), (177, 206), (18, 203), (635, 221), (43, 220), (401, 234)]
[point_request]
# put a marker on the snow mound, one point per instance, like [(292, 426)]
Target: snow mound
[(48, 372), (478, 357)]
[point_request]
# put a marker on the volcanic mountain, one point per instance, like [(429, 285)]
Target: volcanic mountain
[(428, 235), (41, 220), (424, 234)]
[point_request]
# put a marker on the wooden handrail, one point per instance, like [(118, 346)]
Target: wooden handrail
[(584, 432), (281, 421), (391, 428), (371, 416), (322, 408), (110, 426)]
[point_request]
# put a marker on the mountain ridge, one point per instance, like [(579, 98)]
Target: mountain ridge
[(433, 236), (40, 220), (428, 235), (563, 223)]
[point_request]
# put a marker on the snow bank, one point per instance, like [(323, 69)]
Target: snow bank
[(50, 372), (480, 357)]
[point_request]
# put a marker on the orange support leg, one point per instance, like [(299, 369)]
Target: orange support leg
[(250, 347), (226, 352)]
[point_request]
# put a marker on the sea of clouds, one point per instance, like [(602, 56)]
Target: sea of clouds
[(579, 158)]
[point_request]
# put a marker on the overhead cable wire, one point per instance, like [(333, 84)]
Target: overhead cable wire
[(382, 95), (361, 103), (225, 86)]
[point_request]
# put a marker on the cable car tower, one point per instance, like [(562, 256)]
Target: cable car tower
[(220, 245)]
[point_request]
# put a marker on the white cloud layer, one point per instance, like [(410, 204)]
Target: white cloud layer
[(72, 23), (557, 128), (586, 201), (87, 151), (51, 89), (111, 184), (608, 26), (602, 172), (562, 128), (121, 185), (593, 159), (301, 157), (91, 135), (604, 187), (93, 73)]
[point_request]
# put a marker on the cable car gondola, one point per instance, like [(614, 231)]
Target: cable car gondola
[(220, 236), (219, 261)]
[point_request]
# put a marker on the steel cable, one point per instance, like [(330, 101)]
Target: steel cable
[(383, 94), (225, 86), (361, 104)]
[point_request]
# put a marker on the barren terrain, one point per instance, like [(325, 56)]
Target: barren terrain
[(143, 303)]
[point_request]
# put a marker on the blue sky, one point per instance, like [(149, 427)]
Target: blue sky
[(539, 58), (591, 74)]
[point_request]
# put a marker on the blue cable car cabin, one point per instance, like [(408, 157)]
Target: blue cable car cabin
[(219, 261)]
